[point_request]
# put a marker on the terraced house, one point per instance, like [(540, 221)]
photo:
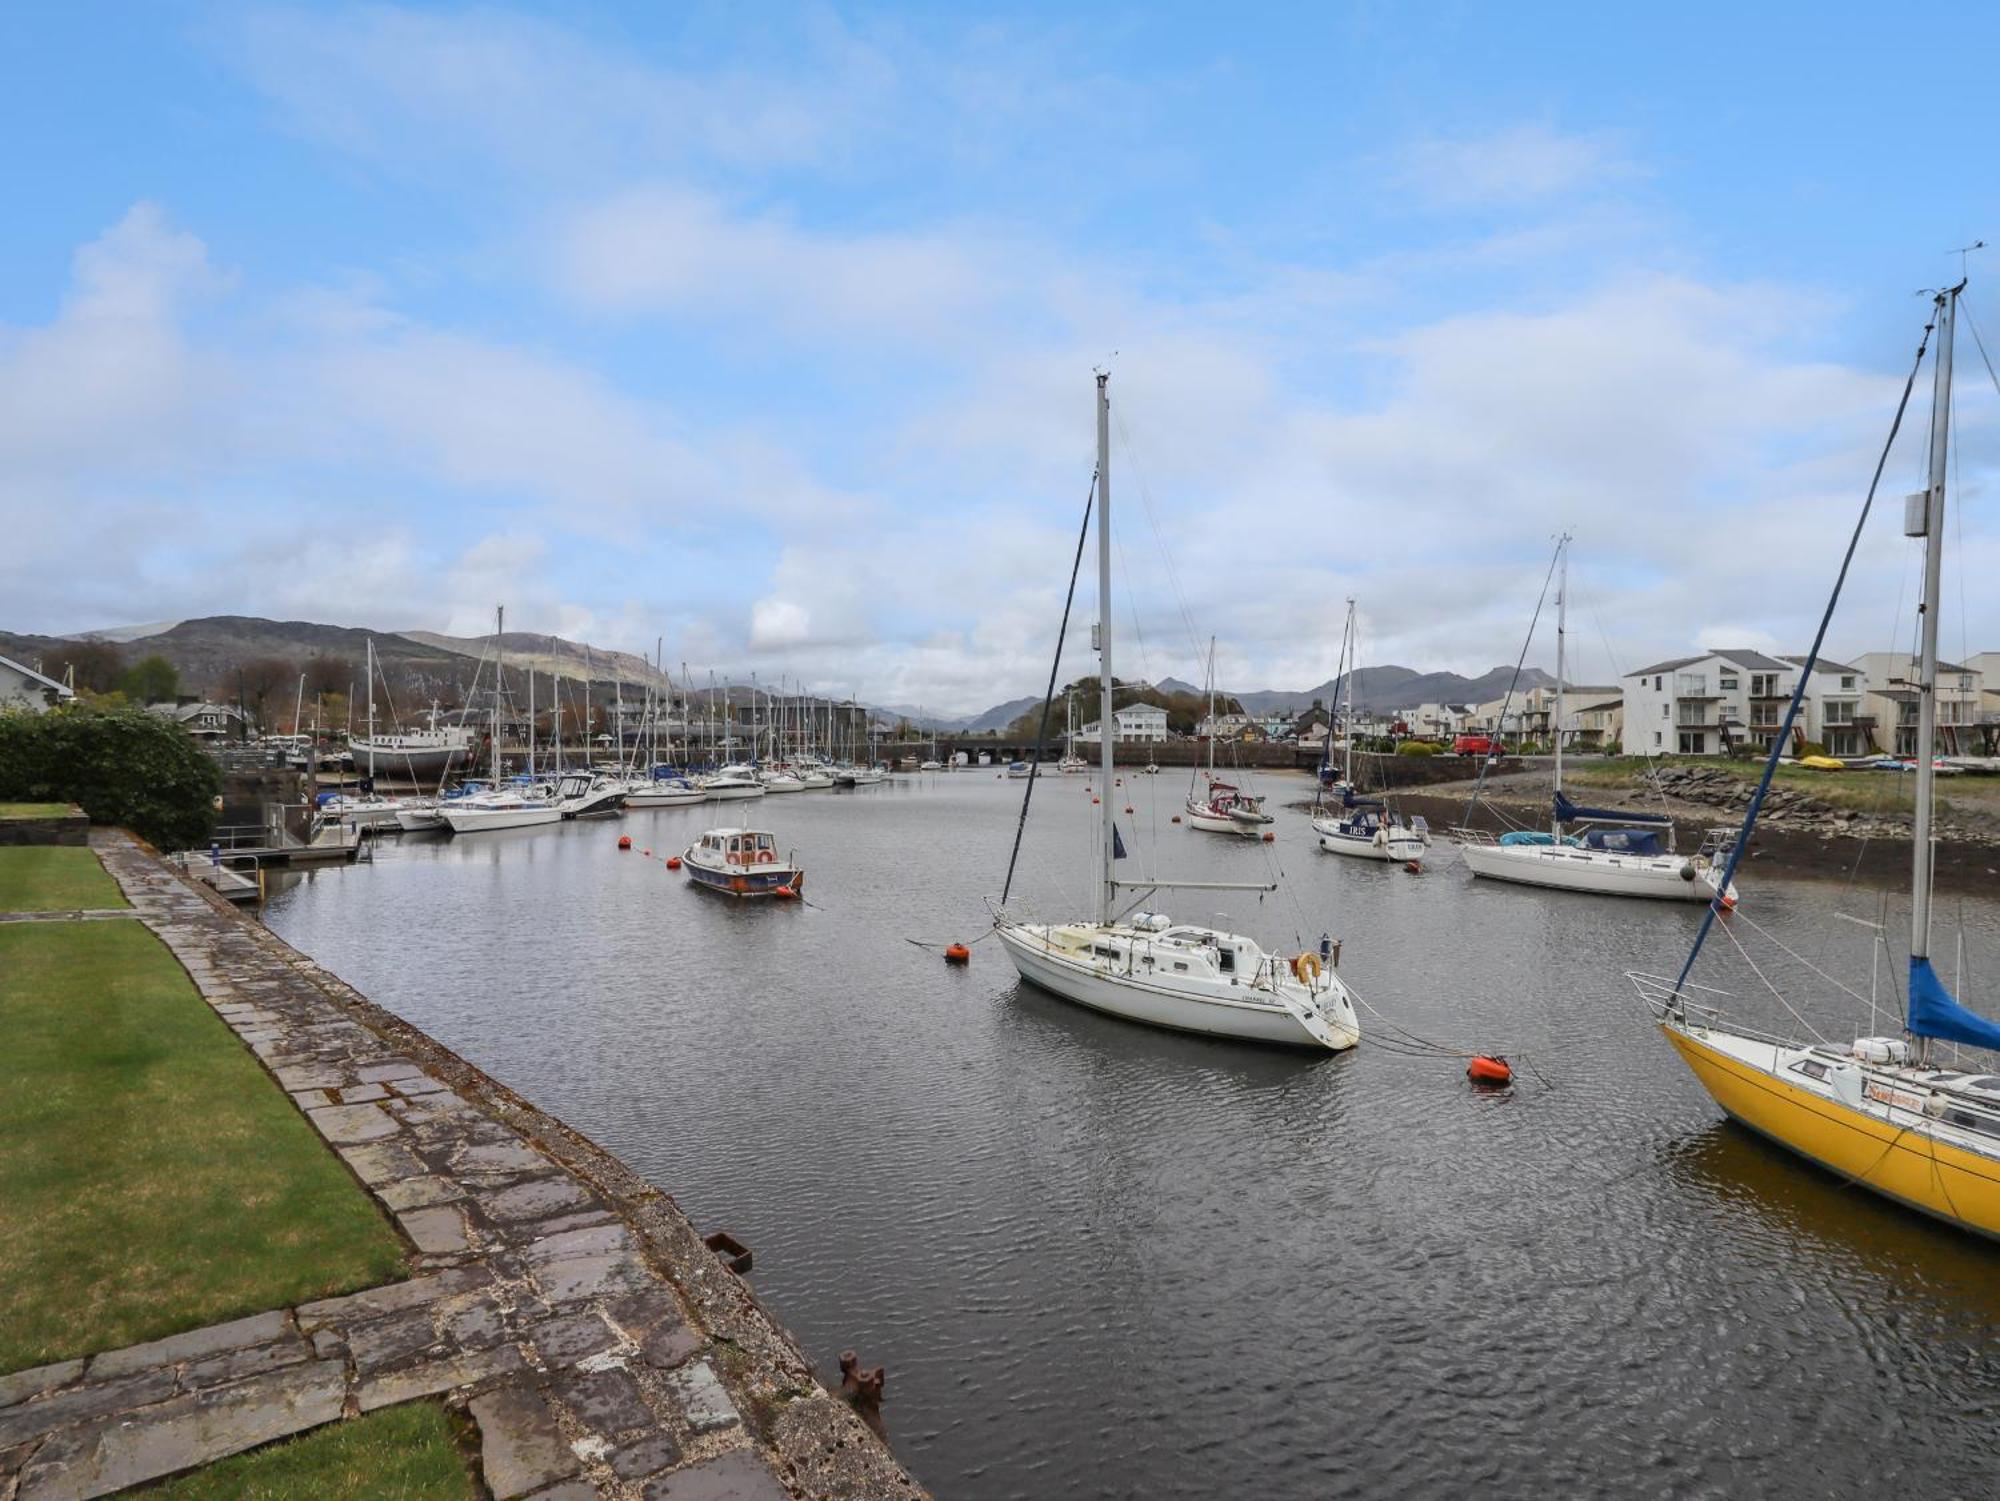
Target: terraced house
[(1733, 700)]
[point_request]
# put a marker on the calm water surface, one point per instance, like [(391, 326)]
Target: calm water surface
[(1100, 1260)]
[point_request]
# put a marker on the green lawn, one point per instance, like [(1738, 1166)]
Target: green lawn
[(405, 1453), (1878, 792), (54, 878), (33, 810), (154, 1178)]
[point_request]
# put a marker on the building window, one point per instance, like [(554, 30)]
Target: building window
[(1656, 737), (1847, 685), (1838, 711), (1665, 711), (1764, 685), (1728, 682), (1694, 743), (1691, 684)]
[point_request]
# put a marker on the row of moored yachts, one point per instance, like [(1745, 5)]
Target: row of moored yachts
[(524, 801)]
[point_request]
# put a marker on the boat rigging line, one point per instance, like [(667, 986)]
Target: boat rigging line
[(1048, 699), (1784, 735), (1500, 729)]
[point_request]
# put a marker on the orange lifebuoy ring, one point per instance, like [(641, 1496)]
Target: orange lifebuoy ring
[(1307, 968)]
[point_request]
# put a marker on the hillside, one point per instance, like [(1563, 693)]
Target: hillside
[(1384, 688)]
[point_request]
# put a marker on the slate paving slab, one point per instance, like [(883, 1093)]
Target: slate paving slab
[(585, 1367)]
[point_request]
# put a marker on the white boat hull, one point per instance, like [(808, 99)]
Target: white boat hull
[(1565, 868), (1211, 823), (678, 797), (730, 794), (1157, 1004), (419, 820), (1398, 846), (485, 820)]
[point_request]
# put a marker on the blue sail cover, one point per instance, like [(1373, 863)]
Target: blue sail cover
[(1934, 1013), (1569, 812)]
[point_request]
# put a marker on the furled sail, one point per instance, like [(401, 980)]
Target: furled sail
[(1569, 812), (1935, 1013)]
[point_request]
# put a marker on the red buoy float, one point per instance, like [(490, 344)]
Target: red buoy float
[(624, 841), (1489, 1069), (673, 862), (957, 953), (1128, 807), (786, 892), (1269, 837), (1177, 818)]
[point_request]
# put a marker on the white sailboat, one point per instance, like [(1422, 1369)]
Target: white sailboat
[(1880, 1113), (503, 807), (1619, 852), (1151, 969), (1364, 827), (1222, 807)]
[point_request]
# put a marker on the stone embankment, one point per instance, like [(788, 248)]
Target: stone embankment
[(568, 1306), (1788, 809)]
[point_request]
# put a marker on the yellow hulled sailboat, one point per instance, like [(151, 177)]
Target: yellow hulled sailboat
[(1880, 1112)]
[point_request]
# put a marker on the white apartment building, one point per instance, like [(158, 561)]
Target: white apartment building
[(1735, 700), (1890, 678), (1143, 722), (1438, 721)]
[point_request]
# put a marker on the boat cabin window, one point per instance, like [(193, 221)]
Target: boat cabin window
[(1104, 951), (1180, 966), (1809, 1068), (1971, 1120), (1226, 960)]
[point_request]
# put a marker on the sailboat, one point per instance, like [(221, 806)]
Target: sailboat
[(1620, 852), (1222, 807), (1151, 969), (1881, 1113), (1071, 764), (1364, 827), (503, 807)]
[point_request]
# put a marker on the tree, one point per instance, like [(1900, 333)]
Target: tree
[(151, 680), (121, 766), (328, 675), (93, 666), (258, 679)]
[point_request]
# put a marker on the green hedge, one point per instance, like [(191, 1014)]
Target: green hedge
[(1417, 748), (121, 766)]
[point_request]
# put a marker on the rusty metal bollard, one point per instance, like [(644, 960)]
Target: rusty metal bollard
[(863, 1391)]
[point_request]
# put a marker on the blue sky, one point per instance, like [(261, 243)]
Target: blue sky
[(770, 330)]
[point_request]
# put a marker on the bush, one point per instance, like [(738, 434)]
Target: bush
[(121, 766), (1418, 748)]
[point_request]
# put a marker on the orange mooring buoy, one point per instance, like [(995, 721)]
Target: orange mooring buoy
[(1128, 807), (624, 841), (1489, 1070), (786, 892), (957, 953), (1177, 818), (1095, 801), (1269, 837), (673, 862)]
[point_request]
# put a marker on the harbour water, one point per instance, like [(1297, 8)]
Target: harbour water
[(1100, 1260)]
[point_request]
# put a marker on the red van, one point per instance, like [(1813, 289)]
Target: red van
[(1474, 745)]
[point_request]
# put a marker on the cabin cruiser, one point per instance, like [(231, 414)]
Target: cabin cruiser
[(585, 794), (742, 862), (663, 789), (731, 784)]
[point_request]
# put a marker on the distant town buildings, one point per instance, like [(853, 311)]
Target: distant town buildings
[(1731, 701), (205, 721), (22, 687), (1139, 722)]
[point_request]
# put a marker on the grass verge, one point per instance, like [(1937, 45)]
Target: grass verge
[(406, 1453), (33, 810), (155, 1179), (55, 878)]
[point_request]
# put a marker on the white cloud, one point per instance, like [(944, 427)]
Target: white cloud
[(779, 623), (1510, 166)]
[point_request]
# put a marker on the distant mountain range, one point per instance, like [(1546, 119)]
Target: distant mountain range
[(421, 665), (1380, 688)]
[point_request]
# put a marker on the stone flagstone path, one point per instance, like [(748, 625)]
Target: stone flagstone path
[(599, 1346)]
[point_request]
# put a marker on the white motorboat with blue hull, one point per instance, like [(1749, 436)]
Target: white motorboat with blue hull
[(1367, 830), (742, 862)]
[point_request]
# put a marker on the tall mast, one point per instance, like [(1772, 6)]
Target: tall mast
[(370, 669), (499, 682), (531, 717), (1107, 725), (1562, 633), (1347, 694), (1926, 519)]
